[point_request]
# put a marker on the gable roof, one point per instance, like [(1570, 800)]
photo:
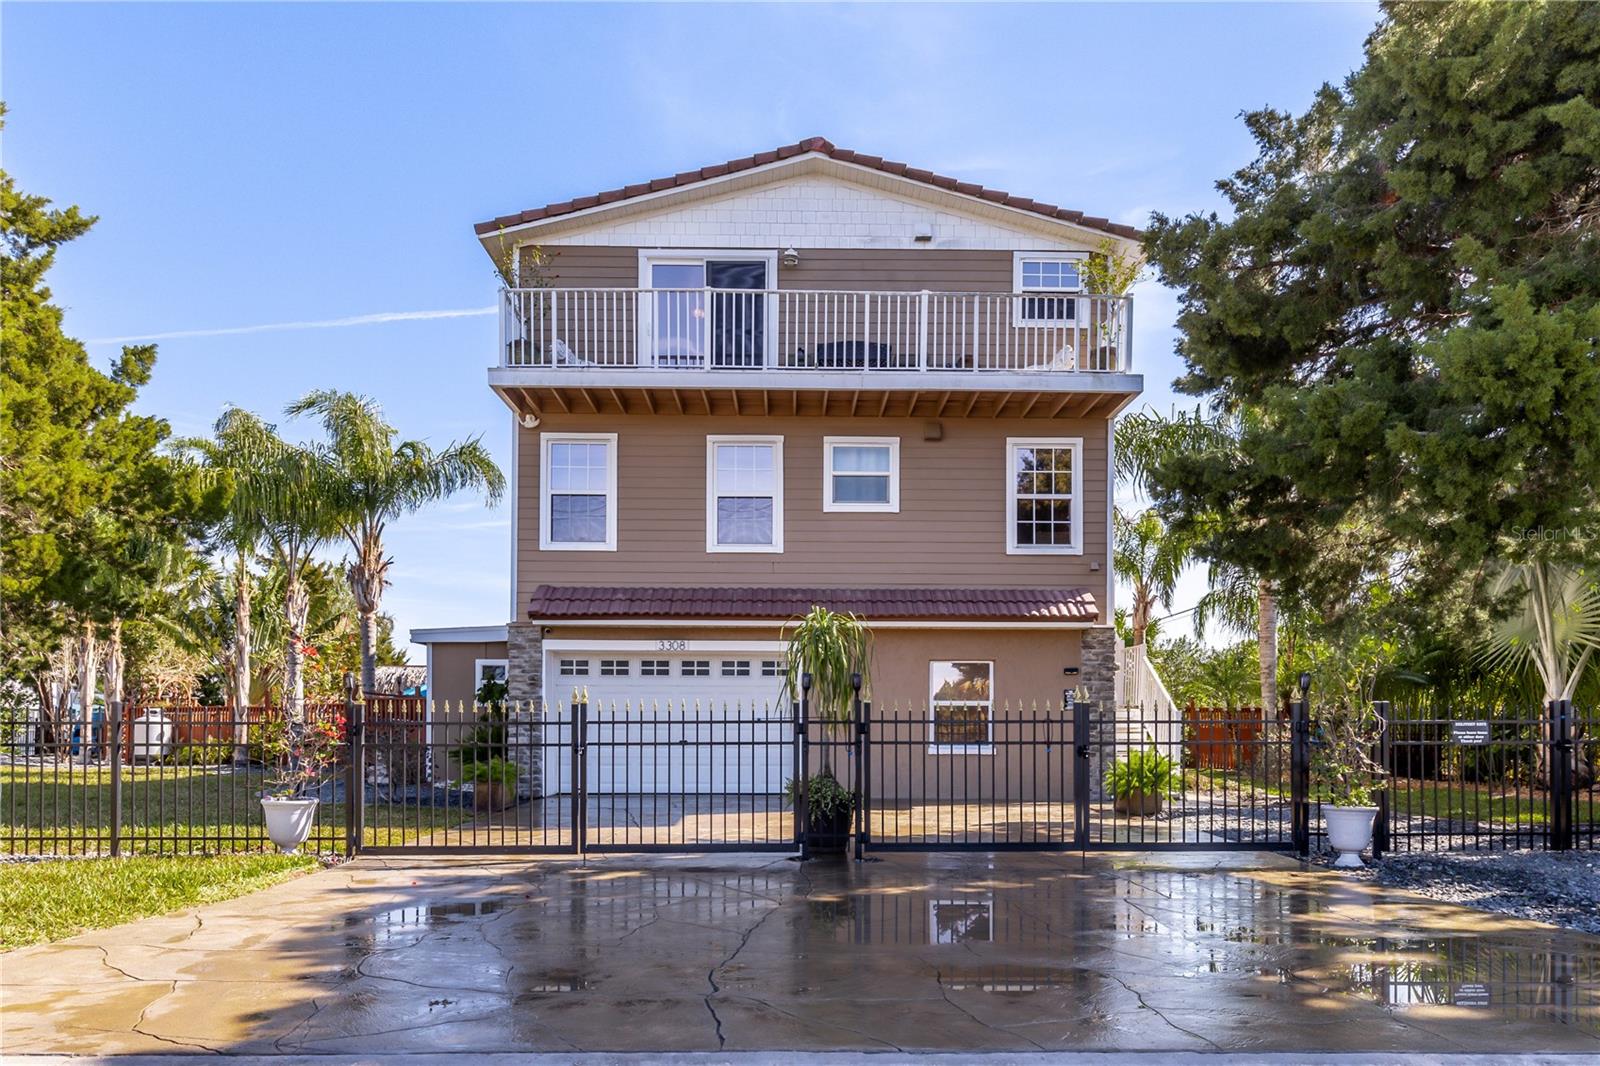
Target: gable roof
[(819, 146)]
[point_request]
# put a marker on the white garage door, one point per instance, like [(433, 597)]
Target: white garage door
[(703, 722)]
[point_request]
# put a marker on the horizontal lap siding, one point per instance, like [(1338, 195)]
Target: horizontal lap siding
[(909, 269), (950, 530)]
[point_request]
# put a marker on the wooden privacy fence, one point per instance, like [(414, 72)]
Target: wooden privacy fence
[(1216, 738)]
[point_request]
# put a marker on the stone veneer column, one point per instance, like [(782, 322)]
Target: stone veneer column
[(1098, 676), (525, 716)]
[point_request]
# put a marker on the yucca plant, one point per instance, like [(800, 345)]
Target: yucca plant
[(834, 649)]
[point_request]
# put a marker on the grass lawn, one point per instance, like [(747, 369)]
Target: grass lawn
[(1454, 800), (65, 809), (42, 901)]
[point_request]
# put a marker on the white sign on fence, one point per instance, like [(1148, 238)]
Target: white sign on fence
[(1469, 732)]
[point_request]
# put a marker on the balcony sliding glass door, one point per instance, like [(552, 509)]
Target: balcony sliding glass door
[(706, 312)]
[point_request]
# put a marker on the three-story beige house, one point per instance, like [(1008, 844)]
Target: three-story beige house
[(809, 376)]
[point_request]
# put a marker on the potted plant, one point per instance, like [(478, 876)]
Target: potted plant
[(301, 753), (1346, 775), (828, 658), (1138, 782), (494, 783)]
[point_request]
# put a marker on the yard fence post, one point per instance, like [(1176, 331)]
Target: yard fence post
[(802, 767), (580, 772), (114, 741), (1383, 709), (1082, 765), (1300, 771), (1561, 800), (355, 773), (861, 763)]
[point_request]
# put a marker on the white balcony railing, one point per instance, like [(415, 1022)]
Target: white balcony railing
[(800, 330)]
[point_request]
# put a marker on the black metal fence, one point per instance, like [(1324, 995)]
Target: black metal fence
[(709, 776)]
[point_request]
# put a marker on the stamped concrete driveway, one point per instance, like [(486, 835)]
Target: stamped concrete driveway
[(912, 952)]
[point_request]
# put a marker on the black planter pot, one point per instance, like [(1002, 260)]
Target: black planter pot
[(828, 835)]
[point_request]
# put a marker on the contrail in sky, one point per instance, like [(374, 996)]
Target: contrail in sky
[(327, 323)]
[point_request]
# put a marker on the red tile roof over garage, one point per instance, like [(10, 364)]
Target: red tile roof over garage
[(555, 602), (811, 144)]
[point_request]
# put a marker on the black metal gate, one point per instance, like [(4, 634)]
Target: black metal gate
[(576, 779)]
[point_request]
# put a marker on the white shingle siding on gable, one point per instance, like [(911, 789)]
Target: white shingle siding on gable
[(814, 212)]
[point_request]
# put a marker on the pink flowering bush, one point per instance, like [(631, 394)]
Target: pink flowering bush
[(302, 754)]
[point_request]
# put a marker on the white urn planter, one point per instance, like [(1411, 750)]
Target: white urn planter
[(288, 821), (1349, 832)]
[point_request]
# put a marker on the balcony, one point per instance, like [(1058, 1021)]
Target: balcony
[(557, 344)]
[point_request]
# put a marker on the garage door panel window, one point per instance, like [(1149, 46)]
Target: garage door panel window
[(696, 668), (1044, 500), (744, 498), (654, 668), (578, 501), (574, 668), (613, 668), (961, 702)]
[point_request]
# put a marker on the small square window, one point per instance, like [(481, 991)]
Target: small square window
[(574, 668), (696, 668), (861, 474), (736, 668), (613, 668), (654, 668), (772, 668)]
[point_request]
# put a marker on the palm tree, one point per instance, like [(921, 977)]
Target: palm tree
[(1243, 601), (1150, 559), (234, 453), (1144, 440), (280, 504), (1553, 627), (368, 480)]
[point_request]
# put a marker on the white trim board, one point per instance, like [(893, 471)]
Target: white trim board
[(769, 623), (607, 644), (460, 635)]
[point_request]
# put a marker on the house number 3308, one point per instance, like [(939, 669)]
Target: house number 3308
[(672, 645)]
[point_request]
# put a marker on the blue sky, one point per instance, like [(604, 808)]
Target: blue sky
[(257, 165)]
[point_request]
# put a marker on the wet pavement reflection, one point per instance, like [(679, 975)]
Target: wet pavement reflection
[(913, 952)]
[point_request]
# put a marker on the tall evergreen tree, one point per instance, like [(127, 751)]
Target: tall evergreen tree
[(1407, 293)]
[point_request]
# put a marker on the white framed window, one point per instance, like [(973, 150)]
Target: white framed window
[(744, 494), (861, 474), (488, 671), (695, 668), (654, 668), (1044, 497), (613, 668), (578, 492), (961, 707), (573, 668), (1056, 278)]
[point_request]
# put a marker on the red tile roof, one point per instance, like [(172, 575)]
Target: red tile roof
[(551, 602), (810, 144)]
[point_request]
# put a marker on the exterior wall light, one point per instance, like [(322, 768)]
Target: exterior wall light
[(791, 258)]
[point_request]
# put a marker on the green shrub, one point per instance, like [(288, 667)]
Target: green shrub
[(491, 771), (1146, 771), (213, 754), (825, 796)]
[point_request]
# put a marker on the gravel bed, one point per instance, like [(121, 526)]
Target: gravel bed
[(1558, 888)]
